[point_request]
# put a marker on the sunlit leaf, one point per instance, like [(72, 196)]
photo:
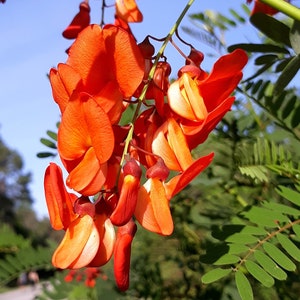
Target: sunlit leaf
[(241, 238), (289, 194), (215, 275), (282, 208), (227, 259), (288, 246), (296, 229), (243, 286), (259, 273), (269, 265)]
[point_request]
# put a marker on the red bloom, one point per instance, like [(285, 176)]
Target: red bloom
[(128, 11), (260, 7)]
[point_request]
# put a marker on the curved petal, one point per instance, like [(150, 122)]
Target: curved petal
[(107, 241), (88, 176), (89, 251), (63, 81), (73, 242), (152, 209), (59, 201), (179, 182), (126, 59)]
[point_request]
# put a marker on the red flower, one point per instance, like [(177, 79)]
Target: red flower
[(128, 11), (260, 7)]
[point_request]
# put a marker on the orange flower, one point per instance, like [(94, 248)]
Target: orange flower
[(200, 103), (170, 144), (88, 241), (128, 11), (80, 21), (105, 63), (85, 143)]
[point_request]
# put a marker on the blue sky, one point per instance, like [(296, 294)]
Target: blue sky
[(31, 43)]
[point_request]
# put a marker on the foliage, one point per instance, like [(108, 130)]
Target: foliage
[(18, 256)]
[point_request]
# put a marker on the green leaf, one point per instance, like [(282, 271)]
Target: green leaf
[(295, 36), (259, 273), (272, 28), (287, 74), (269, 265), (237, 248), (263, 48), (282, 208), (288, 246), (215, 275), (227, 259), (288, 108), (241, 238), (279, 257), (52, 135), (296, 229), (264, 217), (45, 154), (243, 286), (296, 117), (48, 143), (289, 194), (265, 59), (237, 16)]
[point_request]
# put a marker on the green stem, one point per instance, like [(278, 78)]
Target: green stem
[(159, 55), (284, 7)]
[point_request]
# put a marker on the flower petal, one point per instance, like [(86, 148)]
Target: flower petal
[(59, 201), (152, 209), (73, 242), (179, 182)]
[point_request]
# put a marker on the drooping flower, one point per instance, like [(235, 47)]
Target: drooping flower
[(122, 253), (201, 103)]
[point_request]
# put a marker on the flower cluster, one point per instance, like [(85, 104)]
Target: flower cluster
[(120, 173)]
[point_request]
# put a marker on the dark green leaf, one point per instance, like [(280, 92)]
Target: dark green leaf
[(215, 275), (263, 48), (48, 143), (289, 194), (272, 28), (269, 265), (259, 71), (288, 246), (45, 154), (257, 86), (279, 257), (282, 64), (262, 90), (287, 74), (243, 286), (295, 36), (288, 108), (265, 59), (259, 273), (296, 117)]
